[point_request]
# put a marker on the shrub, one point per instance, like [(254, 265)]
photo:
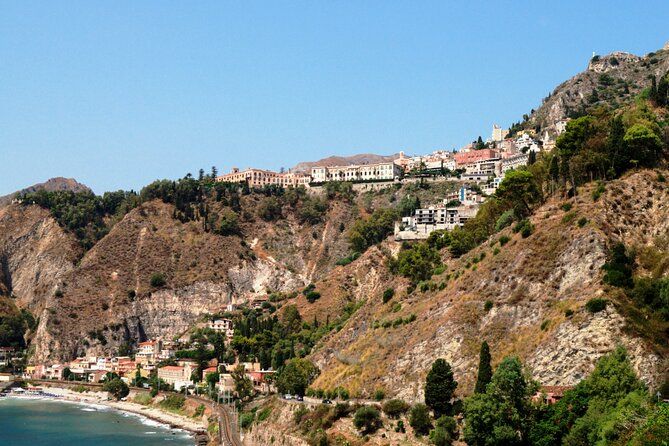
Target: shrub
[(158, 280), (661, 178), (566, 207), (300, 413), (342, 410), (504, 220), (264, 414), (599, 190), (596, 305), (395, 407), (173, 402), (582, 222), (388, 294), (487, 306), (367, 420), (503, 240), (545, 324), (495, 251), (568, 312), (418, 262), (246, 419), (144, 399), (419, 419), (349, 259), (618, 270), (524, 227), (379, 394), (568, 217), (313, 296)]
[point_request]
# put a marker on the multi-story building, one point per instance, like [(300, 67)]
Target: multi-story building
[(473, 156), (178, 376), (148, 352), (356, 173), (525, 143), (440, 217), (225, 326), (515, 161), (260, 178)]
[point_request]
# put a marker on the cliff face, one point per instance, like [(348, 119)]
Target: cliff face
[(530, 283)]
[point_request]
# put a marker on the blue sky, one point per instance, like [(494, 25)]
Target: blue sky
[(117, 94)]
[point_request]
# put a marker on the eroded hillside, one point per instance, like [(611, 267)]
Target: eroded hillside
[(536, 287)]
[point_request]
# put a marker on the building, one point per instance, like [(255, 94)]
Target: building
[(437, 160), (357, 173), (515, 161), (148, 352), (551, 394), (178, 376), (260, 178), (473, 156), (561, 126), (434, 218), (498, 133), (525, 143)]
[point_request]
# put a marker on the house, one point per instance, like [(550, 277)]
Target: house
[(148, 352), (260, 380), (207, 371), (473, 156), (7, 378), (551, 394)]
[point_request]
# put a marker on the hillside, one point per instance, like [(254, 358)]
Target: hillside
[(531, 283), (52, 184), (610, 80)]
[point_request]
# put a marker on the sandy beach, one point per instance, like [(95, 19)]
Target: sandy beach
[(172, 420)]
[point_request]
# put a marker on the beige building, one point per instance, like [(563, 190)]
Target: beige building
[(178, 376), (260, 178), (364, 172), (498, 133)]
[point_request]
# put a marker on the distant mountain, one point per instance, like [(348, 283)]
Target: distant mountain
[(53, 184), (363, 158)]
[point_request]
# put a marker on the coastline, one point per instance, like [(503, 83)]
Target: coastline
[(166, 419)]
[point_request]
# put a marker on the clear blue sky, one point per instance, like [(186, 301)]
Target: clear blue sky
[(117, 94)]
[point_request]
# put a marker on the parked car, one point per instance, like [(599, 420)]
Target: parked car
[(288, 396), (299, 398), (327, 401)]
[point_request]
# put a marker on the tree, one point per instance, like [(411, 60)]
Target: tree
[(439, 387), (419, 419), (365, 233), (243, 385), (295, 376), (519, 191), (500, 416), (485, 369), (116, 388), (644, 145), (212, 379), (214, 172), (444, 432), (367, 420), (395, 407), (418, 262)]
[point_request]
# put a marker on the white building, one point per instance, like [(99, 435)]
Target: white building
[(357, 173), (260, 177), (525, 143), (514, 162)]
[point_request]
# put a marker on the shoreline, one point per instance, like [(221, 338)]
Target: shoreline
[(165, 419)]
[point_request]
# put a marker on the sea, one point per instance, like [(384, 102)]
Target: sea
[(49, 422)]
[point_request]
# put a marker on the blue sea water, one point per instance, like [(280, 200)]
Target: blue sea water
[(43, 422)]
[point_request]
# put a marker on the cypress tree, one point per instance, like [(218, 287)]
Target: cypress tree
[(439, 387), (485, 369)]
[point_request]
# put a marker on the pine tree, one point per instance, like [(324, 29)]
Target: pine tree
[(439, 387), (485, 369), (214, 172)]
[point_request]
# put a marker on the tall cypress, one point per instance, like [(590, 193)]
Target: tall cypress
[(485, 369)]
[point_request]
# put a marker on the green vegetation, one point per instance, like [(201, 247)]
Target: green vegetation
[(173, 403), (417, 262), (395, 408), (13, 328), (369, 232), (595, 305), (116, 388), (348, 259), (485, 369), (295, 376), (367, 420), (388, 294), (158, 280), (439, 387), (419, 419)]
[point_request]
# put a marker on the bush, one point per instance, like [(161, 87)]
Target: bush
[(388, 294), (116, 388), (418, 262), (596, 305), (144, 399), (568, 312), (566, 207), (504, 220), (568, 217), (599, 190), (503, 240), (158, 280), (349, 259), (246, 419), (395, 408), (582, 222), (173, 402), (618, 270), (365, 233), (524, 227), (419, 419), (367, 420), (487, 306), (379, 394), (313, 296)]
